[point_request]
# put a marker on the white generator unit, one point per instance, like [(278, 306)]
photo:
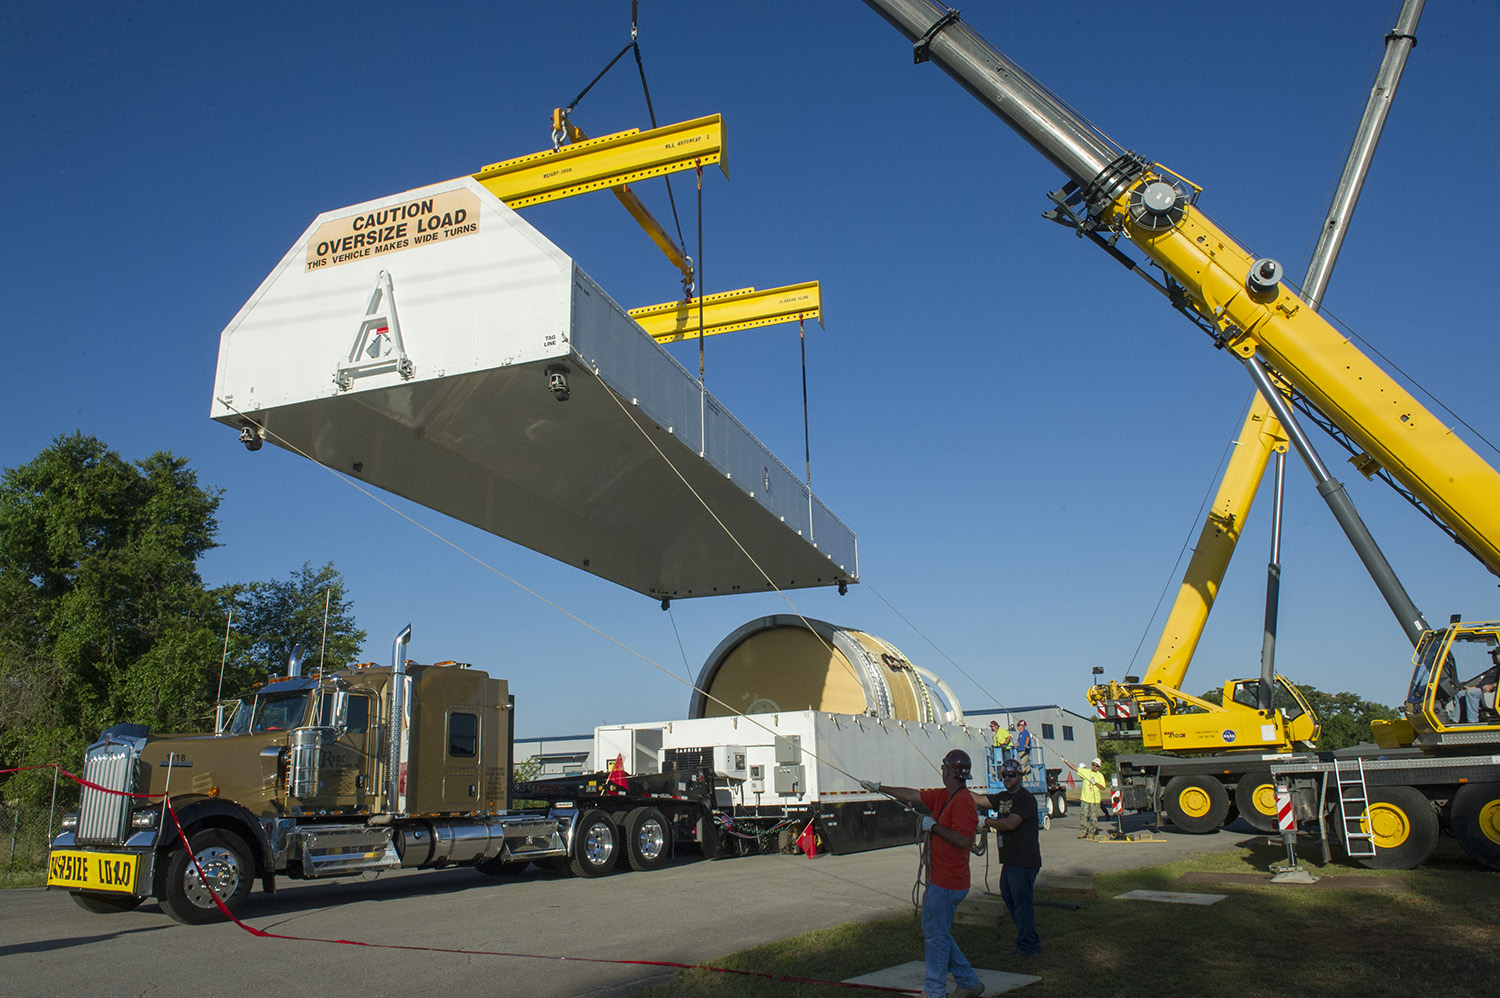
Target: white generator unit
[(801, 764)]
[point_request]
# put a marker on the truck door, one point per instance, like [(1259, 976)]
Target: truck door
[(462, 783), (347, 765)]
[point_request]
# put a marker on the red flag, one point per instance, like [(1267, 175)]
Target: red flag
[(617, 772), (1070, 781), (807, 841)]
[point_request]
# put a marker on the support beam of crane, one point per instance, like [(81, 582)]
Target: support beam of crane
[(746, 308)]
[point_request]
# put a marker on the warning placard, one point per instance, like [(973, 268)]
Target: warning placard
[(450, 215)]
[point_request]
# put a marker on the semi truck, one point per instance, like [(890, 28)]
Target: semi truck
[(408, 766), (1430, 770)]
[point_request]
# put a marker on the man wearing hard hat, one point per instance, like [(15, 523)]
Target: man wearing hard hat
[(1091, 794)]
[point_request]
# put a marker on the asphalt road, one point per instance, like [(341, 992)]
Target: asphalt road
[(691, 911)]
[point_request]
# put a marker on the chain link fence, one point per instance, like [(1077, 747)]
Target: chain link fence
[(24, 835)]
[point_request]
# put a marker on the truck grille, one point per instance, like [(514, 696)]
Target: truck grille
[(104, 818)]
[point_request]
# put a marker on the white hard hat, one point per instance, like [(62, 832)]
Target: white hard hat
[(1098, 763)]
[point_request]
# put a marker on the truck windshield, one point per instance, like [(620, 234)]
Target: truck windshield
[(1247, 693), (270, 712)]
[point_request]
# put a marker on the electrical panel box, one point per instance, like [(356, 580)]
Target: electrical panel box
[(757, 782), (791, 780), (729, 761), (789, 750)]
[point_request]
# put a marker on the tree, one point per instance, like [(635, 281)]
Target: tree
[(102, 611), (273, 617), (1345, 717), (103, 615)]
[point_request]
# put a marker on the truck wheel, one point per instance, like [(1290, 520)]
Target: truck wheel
[(1062, 804), (225, 861), (1051, 805), (1255, 796), (1196, 804), (105, 904), (648, 838), (1476, 822), (1404, 828), (596, 845)]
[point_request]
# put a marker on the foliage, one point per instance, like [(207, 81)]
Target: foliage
[(522, 772), (102, 611), (104, 617), (274, 617), (1345, 717)]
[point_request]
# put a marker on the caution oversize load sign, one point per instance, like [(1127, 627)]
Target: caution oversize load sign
[(449, 215)]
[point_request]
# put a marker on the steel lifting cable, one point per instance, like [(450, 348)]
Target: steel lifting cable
[(635, 45)]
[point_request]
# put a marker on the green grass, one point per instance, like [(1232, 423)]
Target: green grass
[(1437, 939)]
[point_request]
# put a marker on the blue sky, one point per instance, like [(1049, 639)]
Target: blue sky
[(1019, 432)]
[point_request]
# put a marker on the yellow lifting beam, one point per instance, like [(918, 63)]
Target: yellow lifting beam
[(613, 161), (730, 310), (592, 164)]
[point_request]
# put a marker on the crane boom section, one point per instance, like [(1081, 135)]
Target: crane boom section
[(1123, 195), (1355, 393), (1260, 437)]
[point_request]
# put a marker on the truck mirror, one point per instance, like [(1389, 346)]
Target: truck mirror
[(334, 710)]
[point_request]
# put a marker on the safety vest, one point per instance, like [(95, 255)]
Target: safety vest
[(1093, 785)]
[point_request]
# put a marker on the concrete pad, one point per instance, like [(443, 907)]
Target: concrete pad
[(1325, 881), (1172, 897), (912, 977)]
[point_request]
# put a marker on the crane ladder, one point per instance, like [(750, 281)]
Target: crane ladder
[(1349, 775)]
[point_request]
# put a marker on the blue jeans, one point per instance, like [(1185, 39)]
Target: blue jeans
[(1016, 883), (943, 954)]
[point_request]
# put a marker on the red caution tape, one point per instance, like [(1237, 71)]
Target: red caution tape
[(261, 933)]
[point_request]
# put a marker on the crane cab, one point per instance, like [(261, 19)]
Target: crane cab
[(1452, 694)]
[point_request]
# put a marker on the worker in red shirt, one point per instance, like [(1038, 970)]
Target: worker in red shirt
[(949, 827)]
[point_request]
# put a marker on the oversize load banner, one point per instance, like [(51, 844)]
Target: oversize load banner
[(390, 230)]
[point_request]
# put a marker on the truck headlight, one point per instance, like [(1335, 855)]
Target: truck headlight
[(143, 819), (69, 822)]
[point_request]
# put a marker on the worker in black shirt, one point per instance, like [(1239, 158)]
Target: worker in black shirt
[(1020, 854)]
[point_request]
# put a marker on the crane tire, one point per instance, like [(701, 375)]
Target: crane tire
[(1198, 805), (1403, 826), (1255, 795), (1475, 820)]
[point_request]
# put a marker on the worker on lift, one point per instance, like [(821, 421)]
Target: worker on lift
[(1000, 739)]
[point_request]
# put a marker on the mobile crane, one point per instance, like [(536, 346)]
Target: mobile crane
[(1157, 710), (1239, 300)]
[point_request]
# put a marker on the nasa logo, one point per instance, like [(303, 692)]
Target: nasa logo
[(1228, 734)]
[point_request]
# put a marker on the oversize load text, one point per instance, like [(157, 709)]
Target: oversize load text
[(389, 230)]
